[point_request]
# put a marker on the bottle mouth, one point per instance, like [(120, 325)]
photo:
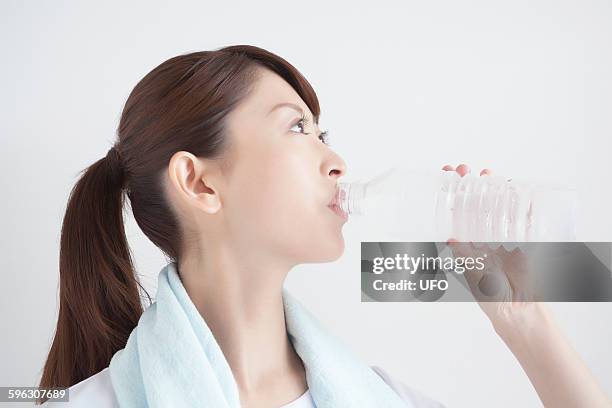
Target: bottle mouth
[(349, 196)]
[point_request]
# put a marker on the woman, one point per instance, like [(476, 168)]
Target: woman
[(229, 175)]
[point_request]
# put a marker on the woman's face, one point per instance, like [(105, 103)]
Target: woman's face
[(282, 178)]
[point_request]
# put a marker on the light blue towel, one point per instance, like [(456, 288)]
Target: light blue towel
[(171, 359)]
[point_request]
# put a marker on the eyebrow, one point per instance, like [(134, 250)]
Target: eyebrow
[(288, 105)]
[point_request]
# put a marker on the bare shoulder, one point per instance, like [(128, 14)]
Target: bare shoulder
[(96, 390), (410, 395)]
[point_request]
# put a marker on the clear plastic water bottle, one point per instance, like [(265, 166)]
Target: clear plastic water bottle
[(487, 208)]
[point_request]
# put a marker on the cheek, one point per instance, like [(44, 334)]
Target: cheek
[(279, 205), (271, 194), (298, 223), (285, 196)]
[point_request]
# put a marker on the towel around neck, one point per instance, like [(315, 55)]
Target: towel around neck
[(172, 359)]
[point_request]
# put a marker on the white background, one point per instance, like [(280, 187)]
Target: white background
[(522, 87)]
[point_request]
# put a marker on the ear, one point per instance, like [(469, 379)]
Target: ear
[(194, 180)]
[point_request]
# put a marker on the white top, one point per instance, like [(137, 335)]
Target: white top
[(304, 401), (97, 392)]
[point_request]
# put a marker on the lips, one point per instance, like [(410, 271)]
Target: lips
[(336, 209), (334, 205)]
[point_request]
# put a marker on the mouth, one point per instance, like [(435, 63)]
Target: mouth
[(335, 206)]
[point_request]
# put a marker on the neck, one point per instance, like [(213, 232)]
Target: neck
[(242, 304)]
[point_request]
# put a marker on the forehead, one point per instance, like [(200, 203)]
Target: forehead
[(269, 90)]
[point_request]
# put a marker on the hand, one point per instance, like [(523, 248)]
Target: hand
[(501, 287), (556, 371)]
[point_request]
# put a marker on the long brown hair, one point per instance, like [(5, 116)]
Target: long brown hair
[(181, 105)]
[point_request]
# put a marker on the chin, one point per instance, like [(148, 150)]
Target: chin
[(333, 250), (326, 247)]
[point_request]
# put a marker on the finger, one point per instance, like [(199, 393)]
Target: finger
[(473, 276), (448, 167), (492, 259), (461, 248), (486, 171), (463, 169), (458, 247)]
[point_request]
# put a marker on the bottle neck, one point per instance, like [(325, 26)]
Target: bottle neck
[(351, 197)]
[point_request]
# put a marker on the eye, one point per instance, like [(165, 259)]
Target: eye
[(301, 125), (324, 137)]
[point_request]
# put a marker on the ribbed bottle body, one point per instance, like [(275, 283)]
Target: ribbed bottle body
[(469, 208)]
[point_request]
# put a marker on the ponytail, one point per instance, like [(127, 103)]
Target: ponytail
[(99, 301)]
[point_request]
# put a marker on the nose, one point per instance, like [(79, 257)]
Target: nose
[(334, 167)]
